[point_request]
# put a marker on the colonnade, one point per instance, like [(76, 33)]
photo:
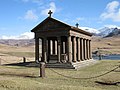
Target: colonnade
[(76, 48), (79, 49)]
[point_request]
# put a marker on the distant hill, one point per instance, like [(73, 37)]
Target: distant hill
[(21, 42), (107, 45), (115, 32), (103, 32)]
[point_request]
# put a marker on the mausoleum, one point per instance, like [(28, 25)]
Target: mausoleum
[(61, 43)]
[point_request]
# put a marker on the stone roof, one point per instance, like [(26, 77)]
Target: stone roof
[(43, 23)]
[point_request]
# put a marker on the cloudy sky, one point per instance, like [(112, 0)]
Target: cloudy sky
[(18, 17)]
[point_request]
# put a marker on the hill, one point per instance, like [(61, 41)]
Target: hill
[(19, 42), (115, 32), (107, 45)]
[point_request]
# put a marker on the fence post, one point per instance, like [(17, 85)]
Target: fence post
[(0, 61), (99, 54), (42, 69), (24, 60)]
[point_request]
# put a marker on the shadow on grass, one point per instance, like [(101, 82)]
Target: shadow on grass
[(107, 83), (24, 64), (19, 75)]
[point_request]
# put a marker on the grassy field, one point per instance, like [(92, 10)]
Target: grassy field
[(110, 45), (14, 54), (27, 78)]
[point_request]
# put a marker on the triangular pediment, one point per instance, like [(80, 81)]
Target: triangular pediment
[(49, 24)]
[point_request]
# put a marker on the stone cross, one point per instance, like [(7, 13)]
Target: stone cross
[(50, 13), (77, 25)]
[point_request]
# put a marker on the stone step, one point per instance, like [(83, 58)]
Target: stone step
[(78, 65), (75, 65), (59, 65)]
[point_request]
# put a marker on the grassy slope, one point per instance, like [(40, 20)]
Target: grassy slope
[(24, 78), (110, 45), (13, 54)]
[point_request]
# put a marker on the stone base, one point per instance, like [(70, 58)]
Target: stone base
[(84, 63), (73, 65), (67, 65)]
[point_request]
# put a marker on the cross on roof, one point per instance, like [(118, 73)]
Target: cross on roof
[(50, 13), (77, 25)]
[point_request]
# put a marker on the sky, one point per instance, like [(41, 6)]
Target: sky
[(18, 17)]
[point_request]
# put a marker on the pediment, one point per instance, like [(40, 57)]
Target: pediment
[(49, 24)]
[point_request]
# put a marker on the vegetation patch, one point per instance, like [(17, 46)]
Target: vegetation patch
[(20, 54), (27, 78)]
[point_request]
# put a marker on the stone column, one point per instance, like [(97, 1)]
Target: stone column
[(74, 49), (88, 56), (59, 48), (45, 49), (36, 49), (63, 47), (69, 50), (48, 50), (90, 49), (78, 50), (51, 47), (42, 50), (82, 49), (55, 47), (66, 46), (85, 51)]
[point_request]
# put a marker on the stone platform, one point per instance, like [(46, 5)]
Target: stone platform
[(75, 65)]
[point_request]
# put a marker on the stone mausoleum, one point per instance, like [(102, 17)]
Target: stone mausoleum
[(62, 44)]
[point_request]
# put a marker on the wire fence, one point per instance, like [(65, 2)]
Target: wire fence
[(86, 77), (114, 69)]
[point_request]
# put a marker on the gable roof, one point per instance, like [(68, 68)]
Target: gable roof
[(71, 27), (46, 20)]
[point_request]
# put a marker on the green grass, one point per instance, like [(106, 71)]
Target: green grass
[(20, 54), (27, 78)]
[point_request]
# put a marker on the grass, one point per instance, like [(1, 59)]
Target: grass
[(20, 54), (27, 78)]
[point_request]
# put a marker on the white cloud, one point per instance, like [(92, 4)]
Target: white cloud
[(112, 11), (78, 19), (26, 35), (91, 30), (51, 7), (34, 1), (112, 6), (30, 15)]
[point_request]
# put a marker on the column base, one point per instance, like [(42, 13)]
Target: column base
[(74, 61), (78, 60), (69, 62), (58, 62), (82, 59)]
